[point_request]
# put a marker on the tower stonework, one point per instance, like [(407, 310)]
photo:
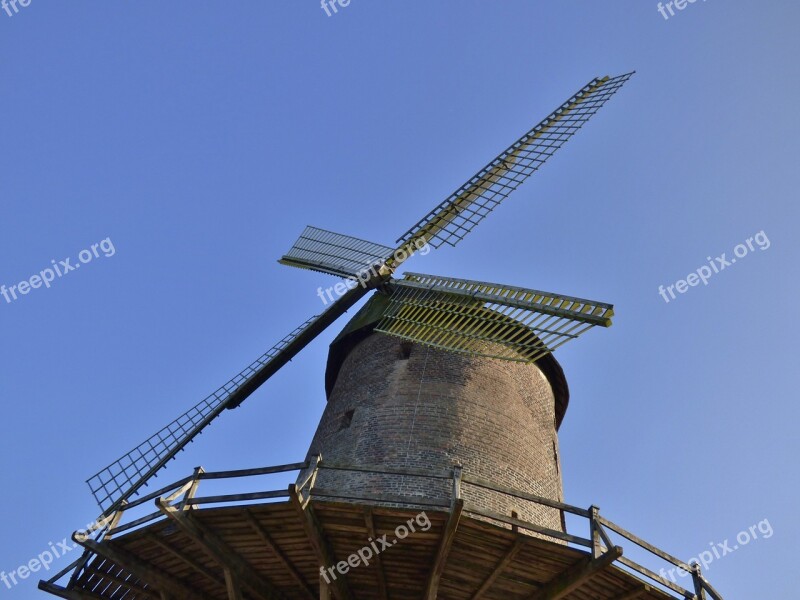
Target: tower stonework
[(394, 404)]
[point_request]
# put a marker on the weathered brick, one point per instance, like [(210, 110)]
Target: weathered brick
[(436, 409)]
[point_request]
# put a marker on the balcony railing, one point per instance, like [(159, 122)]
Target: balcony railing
[(184, 494)]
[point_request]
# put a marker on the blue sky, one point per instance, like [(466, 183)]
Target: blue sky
[(202, 137)]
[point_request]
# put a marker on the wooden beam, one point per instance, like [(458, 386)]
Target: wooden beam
[(192, 491), (61, 592), (553, 533), (697, 579), (446, 544), (132, 586), (190, 562), (574, 577), (324, 589), (501, 566), (457, 471), (634, 594), (381, 574), (640, 542), (710, 589), (218, 550), (113, 521), (232, 586), (594, 532), (154, 576), (316, 536), (270, 543), (509, 491)]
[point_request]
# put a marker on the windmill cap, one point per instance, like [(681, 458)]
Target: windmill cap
[(366, 319)]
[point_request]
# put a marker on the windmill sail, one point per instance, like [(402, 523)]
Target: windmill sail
[(125, 476), (334, 253), (487, 319), (454, 218), (147, 458)]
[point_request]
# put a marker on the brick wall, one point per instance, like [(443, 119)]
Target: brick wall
[(402, 405)]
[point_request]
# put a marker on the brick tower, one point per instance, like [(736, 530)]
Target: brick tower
[(394, 404)]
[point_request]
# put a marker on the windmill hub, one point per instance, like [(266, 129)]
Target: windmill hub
[(385, 271)]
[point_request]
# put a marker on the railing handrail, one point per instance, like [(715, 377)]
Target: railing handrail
[(183, 493), (408, 472), (575, 510)]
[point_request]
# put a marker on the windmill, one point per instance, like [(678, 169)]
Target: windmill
[(453, 314), (443, 397)]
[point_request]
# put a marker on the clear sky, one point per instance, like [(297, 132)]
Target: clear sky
[(200, 138)]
